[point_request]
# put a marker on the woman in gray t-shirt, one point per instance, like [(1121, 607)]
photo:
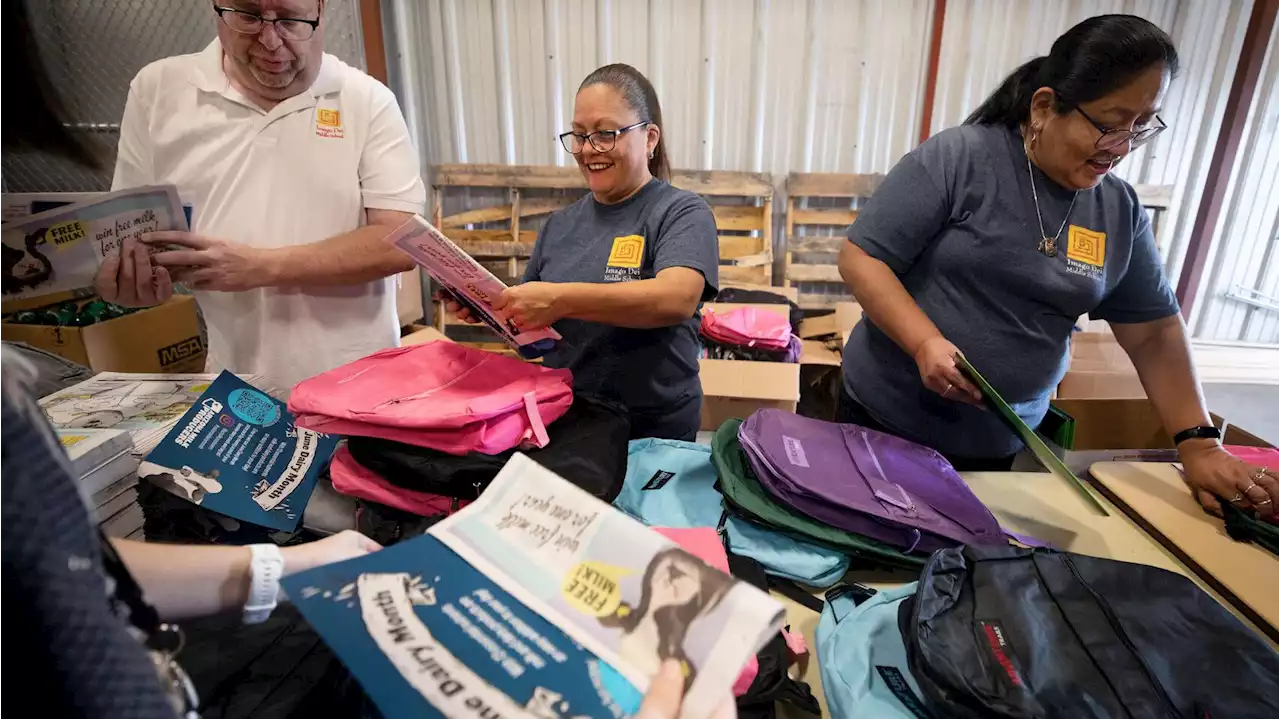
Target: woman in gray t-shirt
[(622, 272), (993, 238)]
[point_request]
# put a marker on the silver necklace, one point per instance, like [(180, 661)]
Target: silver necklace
[(1048, 245)]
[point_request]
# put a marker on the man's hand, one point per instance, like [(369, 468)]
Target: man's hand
[(456, 308), (531, 306), (127, 278), (207, 263)]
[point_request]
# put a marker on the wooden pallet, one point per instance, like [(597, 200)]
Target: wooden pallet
[(811, 257), (498, 235)]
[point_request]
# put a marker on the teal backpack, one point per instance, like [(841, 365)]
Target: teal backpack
[(862, 657), (673, 484)]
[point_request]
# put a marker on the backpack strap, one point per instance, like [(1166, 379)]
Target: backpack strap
[(795, 593), (535, 419)]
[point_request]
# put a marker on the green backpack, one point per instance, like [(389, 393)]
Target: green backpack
[(744, 495)]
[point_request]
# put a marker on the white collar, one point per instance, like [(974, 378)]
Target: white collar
[(208, 75)]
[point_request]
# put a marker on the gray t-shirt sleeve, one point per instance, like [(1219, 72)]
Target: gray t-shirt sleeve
[(1143, 293), (687, 238), (908, 210), (531, 270)]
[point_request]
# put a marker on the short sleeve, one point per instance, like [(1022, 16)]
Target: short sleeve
[(133, 152), (687, 238), (533, 270), (904, 215), (1143, 293), (390, 178)]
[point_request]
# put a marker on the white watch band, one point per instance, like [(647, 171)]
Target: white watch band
[(266, 566)]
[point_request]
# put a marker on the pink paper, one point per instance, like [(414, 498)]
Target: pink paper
[(462, 276)]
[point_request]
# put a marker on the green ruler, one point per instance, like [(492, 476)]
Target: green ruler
[(1028, 435)]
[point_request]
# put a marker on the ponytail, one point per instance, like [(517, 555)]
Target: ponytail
[(1010, 104), (1091, 60), (638, 92)]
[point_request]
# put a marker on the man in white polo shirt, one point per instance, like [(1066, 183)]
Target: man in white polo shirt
[(296, 166)]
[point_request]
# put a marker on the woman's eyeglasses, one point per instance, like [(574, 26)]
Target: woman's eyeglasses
[(1112, 138), (601, 140)]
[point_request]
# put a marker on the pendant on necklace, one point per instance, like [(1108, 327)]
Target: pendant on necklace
[(1049, 246)]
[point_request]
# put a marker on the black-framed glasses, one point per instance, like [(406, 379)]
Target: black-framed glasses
[(601, 140), (1114, 137), (246, 23)]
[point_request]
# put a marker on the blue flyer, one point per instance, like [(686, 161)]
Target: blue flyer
[(427, 635), (237, 452)]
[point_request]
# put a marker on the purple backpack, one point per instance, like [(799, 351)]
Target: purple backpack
[(866, 482)]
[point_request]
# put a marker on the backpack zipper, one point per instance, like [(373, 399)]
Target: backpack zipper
[(1124, 638)]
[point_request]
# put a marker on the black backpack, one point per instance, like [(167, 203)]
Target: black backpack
[(588, 447), (1010, 632), (772, 683)]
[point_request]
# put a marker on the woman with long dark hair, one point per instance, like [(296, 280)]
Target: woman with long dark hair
[(621, 272), (993, 238)]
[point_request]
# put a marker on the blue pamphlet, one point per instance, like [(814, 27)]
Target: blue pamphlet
[(427, 635), (237, 452)]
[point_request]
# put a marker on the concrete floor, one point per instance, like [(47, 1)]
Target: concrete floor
[(1255, 408)]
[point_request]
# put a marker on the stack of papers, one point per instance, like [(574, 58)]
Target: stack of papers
[(99, 457), (146, 406)]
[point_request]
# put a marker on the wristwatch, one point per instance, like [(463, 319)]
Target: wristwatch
[(1197, 433), (266, 566)]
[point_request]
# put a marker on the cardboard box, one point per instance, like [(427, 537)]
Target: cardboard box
[(1121, 430), (1100, 369), (735, 388), (848, 314), (422, 334), (165, 338)]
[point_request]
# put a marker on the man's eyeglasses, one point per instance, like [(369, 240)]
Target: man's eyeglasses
[(246, 23), (1112, 138), (601, 140)]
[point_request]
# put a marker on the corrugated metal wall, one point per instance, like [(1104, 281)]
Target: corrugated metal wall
[(92, 50), (1240, 297), (761, 85)]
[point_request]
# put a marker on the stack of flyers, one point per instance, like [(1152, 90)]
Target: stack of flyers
[(144, 405), (237, 452), (537, 600), (468, 282)]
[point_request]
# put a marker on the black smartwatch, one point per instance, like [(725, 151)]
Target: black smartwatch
[(1197, 433)]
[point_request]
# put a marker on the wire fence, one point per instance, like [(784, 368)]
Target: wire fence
[(91, 50)]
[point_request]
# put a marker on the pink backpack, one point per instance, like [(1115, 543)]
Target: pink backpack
[(748, 327), (438, 395), (354, 480)]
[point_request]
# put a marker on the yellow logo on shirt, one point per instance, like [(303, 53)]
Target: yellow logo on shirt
[(628, 251), (1087, 246), (328, 123)]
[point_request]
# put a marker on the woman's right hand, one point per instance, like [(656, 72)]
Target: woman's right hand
[(456, 308), (936, 360)]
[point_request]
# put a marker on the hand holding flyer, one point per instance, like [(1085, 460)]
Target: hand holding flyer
[(468, 281), (537, 600), (61, 249), (628, 594)]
